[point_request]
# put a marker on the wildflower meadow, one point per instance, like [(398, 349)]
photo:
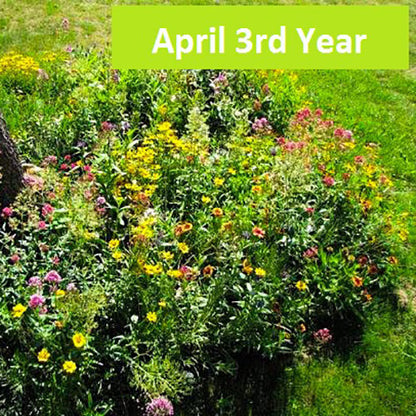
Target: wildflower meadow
[(183, 238)]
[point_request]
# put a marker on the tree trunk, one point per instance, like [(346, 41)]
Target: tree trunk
[(11, 172)]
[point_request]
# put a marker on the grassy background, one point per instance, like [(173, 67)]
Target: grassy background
[(378, 376)]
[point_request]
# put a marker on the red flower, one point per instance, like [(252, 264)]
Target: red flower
[(258, 232)]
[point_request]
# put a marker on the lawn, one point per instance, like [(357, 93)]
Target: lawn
[(377, 374)]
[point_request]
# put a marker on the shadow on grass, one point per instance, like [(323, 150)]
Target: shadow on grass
[(263, 387)]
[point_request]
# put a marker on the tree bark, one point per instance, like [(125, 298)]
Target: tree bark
[(11, 172)]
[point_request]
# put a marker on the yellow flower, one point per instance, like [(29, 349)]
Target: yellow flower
[(183, 247), (151, 269), (59, 324), (43, 355), (175, 273), (206, 199), (167, 255), (162, 304), (79, 340), (403, 234), (113, 244), (162, 109), (232, 171), (60, 293), (164, 126), (369, 170), (18, 310), (69, 367), (218, 182), (301, 285), (260, 272), (246, 267), (256, 189), (151, 316), (117, 255)]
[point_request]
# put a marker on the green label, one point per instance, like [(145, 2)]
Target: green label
[(267, 37)]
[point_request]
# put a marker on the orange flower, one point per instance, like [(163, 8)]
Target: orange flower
[(217, 212), (302, 328), (183, 228), (227, 226), (208, 270), (393, 260), (357, 281), (258, 232)]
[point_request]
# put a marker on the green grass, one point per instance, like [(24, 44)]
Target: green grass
[(378, 377)]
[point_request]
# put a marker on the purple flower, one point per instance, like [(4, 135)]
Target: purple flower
[(53, 277), (160, 406), (125, 126), (100, 200), (36, 301), (35, 281)]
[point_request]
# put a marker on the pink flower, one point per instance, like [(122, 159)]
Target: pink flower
[(88, 194), (359, 160), (7, 212), (281, 141), (36, 301), (303, 114), (342, 133), (43, 310), (35, 281), (53, 277), (14, 258), (319, 112), (67, 158), (100, 200), (323, 335), (87, 168), (261, 124), (42, 225), (328, 180), (310, 210), (290, 146), (33, 181), (310, 252), (90, 177), (56, 260), (65, 23), (71, 287), (160, 406), (47, 209), (107, 126), (64, 166), (50, 160)]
